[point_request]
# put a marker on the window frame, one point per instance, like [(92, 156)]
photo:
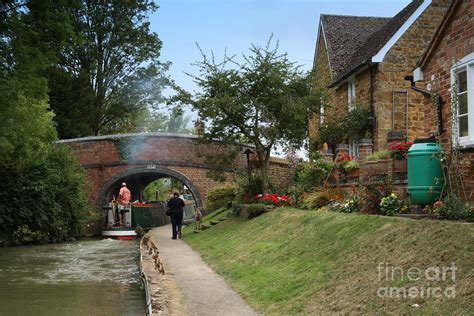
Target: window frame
[(354, 149), (351, 93), (321, 109), (465, 64)]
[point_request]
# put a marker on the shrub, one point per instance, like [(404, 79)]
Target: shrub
[(321, 198), (311, 174), (221, 196), (351, 165), (43, 202), (253, 210), (252, 186), (379, 155), (352, 205), (23, 236), (390, 205), (454, 208), (372, 194)]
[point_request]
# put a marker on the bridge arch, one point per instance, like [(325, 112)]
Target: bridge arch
[(138, 178), (140, 158)]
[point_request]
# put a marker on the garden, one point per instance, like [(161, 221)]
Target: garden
[(375, 185)]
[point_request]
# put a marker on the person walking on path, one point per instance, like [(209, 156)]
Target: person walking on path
[(175, 212), (123, 201)]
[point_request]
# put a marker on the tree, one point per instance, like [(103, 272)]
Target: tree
[(109, 71), (41, 197), (264, 101)]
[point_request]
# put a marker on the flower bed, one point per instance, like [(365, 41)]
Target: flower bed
[(268, 199)]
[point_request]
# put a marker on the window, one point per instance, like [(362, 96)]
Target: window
[(321, 110), (462, 76), (354, 149), (351, 93)]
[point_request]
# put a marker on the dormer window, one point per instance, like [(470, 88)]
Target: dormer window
[(351, 93)]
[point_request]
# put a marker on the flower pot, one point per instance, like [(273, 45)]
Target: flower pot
[(354, 173), (400, 165), (379, 167)]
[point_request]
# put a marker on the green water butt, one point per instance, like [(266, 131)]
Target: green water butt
[(425, 173)]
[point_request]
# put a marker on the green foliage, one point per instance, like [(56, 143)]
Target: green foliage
[(311, 174), (41, 198), (372, 193), (220, 196), (158, 187), (357, 123), (24, 236), (249, 186), (331, 133), (349, 165), (454, 208), (108, 71), (320, 198), (352, 205), (379, 155), (253, 210), (263, 101), (390, 205), (46, 197)]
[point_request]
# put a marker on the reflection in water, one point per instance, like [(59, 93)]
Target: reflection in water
[(91, 277)]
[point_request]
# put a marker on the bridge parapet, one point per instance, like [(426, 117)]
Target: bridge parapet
[(138, 159)]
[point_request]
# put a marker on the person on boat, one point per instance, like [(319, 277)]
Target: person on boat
[(175, 212), (123, 200)]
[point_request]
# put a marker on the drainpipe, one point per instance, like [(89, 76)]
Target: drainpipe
[(439, 104)]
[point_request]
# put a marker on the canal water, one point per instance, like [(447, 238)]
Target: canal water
[(88, 277)]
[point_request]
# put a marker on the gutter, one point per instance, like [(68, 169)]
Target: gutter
[(433, 95), (347, 75)]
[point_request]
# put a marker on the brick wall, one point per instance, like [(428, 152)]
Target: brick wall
[(455, 42), (144, 158)]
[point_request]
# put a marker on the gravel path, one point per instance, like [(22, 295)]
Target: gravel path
[(204, 291)]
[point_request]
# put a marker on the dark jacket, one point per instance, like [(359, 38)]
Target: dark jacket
[(175, 204)]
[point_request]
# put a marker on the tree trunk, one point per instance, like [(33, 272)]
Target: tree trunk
[(265, 171)]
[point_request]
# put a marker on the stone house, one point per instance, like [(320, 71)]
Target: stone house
[(446, 70), (363, 62)]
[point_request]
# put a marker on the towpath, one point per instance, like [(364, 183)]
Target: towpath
[(204, 291)]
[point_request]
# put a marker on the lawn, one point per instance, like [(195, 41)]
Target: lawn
[(290, 261)]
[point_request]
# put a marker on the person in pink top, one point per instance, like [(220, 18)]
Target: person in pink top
[(123, 200)]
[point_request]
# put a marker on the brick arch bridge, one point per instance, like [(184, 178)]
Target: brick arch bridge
[(139, 159)]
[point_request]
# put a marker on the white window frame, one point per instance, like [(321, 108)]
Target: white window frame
[(354, 149), (351, 93), (321, 109), (465, 64)]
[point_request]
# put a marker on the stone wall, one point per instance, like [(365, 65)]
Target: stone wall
[(388, 80), (322, 79), (398, 63)]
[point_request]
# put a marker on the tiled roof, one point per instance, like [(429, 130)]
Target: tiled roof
[(345, 35), (353, 40)]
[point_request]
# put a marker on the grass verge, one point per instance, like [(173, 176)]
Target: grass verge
[(290, 261)]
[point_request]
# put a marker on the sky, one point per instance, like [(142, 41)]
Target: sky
[(233, 25)]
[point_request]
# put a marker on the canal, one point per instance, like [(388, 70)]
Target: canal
[(88, 277)]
